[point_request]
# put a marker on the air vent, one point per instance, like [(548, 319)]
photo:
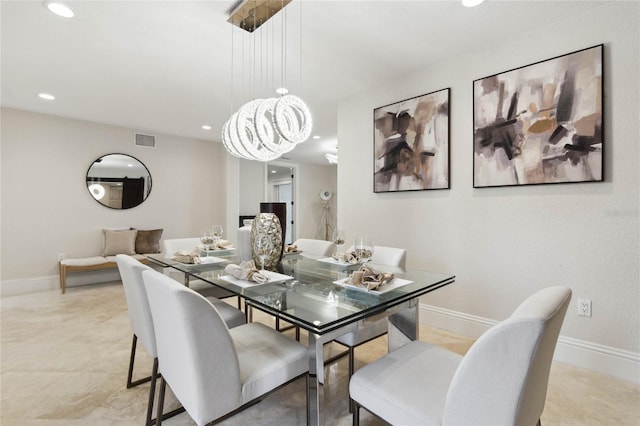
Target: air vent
[(145, 140)]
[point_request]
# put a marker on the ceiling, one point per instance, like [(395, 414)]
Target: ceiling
[(165, 67)]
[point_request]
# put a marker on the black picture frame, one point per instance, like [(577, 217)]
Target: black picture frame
[(411, 144), (541, 123)]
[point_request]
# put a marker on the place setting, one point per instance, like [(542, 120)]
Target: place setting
[(212, 241), (373, 281), (246, 274), (361, 252)]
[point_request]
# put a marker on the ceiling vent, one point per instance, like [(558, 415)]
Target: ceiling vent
[(145, 140)]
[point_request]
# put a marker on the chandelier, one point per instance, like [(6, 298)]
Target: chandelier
[(264, 129)]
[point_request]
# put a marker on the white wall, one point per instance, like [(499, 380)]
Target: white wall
[(46, 208), (313, 178), (503, 244)]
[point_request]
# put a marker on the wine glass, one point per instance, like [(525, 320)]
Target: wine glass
[(363, 249), (263, 247), (338, 239), (207, 239), (217, 232)]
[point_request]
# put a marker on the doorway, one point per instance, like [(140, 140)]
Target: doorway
[(281, 188)]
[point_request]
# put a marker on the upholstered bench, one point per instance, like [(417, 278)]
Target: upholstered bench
[(133, 242), (87, 264)]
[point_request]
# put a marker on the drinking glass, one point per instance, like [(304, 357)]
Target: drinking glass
[(363, 248), (207, 239), (217, 233), (338, 239), (263, 247)]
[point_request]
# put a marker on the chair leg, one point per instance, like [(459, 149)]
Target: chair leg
[(297, 334), (132, 359), (351, 368), (152, 390), (163, 386), (356, 414), (308, 407)]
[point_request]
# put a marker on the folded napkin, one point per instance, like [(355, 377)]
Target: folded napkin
[(224, 244), (220, 245), (185, 256), (291, 248), (246, 271), (347, 257), (369, 278)]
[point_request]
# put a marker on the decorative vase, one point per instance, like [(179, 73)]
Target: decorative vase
[(280, 210), (266, 225)]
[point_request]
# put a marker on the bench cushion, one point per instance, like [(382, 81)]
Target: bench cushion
[(85, 261)]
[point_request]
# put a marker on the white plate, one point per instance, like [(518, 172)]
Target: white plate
[(211, 259), (274, 277), (391, 285), (337, 262), (205, 261)]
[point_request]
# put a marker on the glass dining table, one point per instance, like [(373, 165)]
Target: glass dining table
[(310, 292)]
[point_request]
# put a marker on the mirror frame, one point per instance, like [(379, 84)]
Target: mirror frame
[(133, 192)]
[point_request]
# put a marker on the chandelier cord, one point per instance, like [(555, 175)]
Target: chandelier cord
[(284, 47)]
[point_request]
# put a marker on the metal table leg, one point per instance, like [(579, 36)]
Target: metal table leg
[(403, 326)]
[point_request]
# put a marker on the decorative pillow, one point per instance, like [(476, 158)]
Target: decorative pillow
[(119, 242), (148, 241)]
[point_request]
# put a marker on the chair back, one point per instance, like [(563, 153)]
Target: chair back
[(196, 353), (390, 256), (170, 247), (503, 377), (317, 247), (137, 302)]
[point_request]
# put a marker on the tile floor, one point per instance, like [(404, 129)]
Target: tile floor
[(64, 361)]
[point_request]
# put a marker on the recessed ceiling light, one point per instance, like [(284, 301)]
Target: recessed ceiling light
[(46, 96), (282, 91), (59, 9), (206, 127), (471, 3), (273, 171), (316, 137), (129, 165)]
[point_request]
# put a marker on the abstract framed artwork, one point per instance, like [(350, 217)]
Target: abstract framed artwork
[(541, 123), (411, 144)]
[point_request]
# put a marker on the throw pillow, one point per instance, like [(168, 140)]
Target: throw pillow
[(148, 241), (119, 242)]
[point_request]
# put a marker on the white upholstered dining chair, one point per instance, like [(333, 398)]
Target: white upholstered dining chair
[(212, 370), (502, 380), (142, 324), (316, 247)]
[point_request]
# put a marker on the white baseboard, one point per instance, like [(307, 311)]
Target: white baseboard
[(51, 282), (580, 353), (28, 285)]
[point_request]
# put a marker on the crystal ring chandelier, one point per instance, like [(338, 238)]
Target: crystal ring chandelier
[(265, 129)]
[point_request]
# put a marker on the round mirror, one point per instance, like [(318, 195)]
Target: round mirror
[(119, 181)]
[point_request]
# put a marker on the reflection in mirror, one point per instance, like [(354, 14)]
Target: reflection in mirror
[(280, 189), (119, 181)]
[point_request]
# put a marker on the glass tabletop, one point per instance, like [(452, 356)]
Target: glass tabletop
[(310, 293)]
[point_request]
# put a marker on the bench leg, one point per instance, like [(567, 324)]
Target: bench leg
[(63, 278)]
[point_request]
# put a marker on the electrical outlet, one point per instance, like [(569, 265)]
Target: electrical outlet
[(584, 307), (60, 256)]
